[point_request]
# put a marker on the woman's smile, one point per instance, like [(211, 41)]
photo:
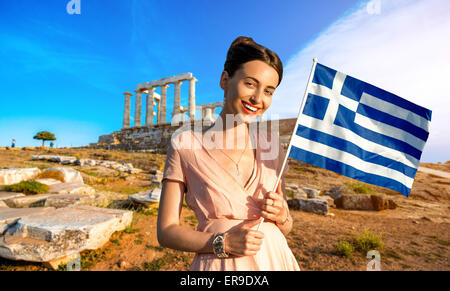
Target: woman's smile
[(249, 109)]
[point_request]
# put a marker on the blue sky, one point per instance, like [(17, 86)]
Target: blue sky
[(66, 73)]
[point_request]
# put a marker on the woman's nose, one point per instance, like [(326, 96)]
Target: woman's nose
[(257, 97)]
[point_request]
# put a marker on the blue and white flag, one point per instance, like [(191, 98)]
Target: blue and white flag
[(358, 130)]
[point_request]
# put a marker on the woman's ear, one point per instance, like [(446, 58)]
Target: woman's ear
[(224, 78)]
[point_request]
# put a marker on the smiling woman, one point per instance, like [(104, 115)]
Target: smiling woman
[(228, 185)]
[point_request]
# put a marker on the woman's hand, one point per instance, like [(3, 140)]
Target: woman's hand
[(244, 241), (273, 208)]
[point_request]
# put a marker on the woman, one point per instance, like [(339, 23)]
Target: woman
[(229, 187)]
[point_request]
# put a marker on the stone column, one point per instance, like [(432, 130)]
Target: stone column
[(149, 113), (192, 98), (126, 110), (163, 102), (137, 111), (176, 99), (208, 114)]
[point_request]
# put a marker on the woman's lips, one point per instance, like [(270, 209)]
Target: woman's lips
[(247, 110)]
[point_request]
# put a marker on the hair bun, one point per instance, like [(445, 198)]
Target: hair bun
[(242, 40)]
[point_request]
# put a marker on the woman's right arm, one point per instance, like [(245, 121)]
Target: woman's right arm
[(243, 241), (170, 233)]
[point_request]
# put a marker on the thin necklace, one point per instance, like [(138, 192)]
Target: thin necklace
[(238, 174)]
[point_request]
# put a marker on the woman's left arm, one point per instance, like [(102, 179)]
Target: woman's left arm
[(275, 208)]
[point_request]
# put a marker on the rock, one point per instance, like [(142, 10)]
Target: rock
[(27, 201), (67, 160), (146, 198), (72, 188), (364, 202), (85, 162), (312, 193), (62, 232), (354, 202), (336, 192), (10, 176), (299, 193), (329, 200), (309, 205), (9, 195), (123, 264), (9, 216), (330, 214), (54, 264), (381, 202), (415, 222), (3, 204), (70, 175), (64, 200), (292, 186), (48, 181)]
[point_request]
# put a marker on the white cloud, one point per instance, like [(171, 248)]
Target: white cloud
[(405, 49)]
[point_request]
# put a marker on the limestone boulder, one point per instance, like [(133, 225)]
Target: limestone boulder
[(72, 188), (338, 191), (364, 202), (62, 232), (64, 200), (27, 201), (311, 193), (317, 206), (3, 204), (146, 198), (9, 195), (329, 200), (10, 176), (9, 216), (70, 175)]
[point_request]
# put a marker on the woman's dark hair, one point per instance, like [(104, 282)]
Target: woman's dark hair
[(245, 49)]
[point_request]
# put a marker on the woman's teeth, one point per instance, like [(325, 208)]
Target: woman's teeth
[(252, 109)]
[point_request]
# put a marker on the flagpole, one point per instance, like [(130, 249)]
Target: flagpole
[(295, 129)]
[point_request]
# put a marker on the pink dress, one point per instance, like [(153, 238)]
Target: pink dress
[(220, 202)]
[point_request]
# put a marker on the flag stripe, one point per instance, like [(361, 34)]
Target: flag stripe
[(355, 150), (389, 130), (346, 170), (393, 121), (345, 118), (349, 159), (365, 144), (354, 88), (394, 110)]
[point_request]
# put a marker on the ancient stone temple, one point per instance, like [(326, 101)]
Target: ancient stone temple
[(155, 136)]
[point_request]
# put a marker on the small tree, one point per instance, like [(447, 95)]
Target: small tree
[(44, 135)]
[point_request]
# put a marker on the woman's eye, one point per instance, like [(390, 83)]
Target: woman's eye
[(270, 93), (249, 84)]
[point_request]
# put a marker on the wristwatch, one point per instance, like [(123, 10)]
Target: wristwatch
[(219, 245)]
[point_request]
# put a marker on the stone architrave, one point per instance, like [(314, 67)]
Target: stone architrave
[(126, 110), (192, 98), (137, 110), (163, 104), (150, 103)]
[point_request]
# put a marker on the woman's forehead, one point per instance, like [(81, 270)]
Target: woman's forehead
[(260, 71)]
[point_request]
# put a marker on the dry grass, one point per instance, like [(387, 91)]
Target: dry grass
[(51, 174)]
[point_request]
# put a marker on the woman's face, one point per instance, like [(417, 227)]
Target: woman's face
[(249, 92)]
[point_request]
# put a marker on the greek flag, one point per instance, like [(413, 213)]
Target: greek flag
[(358, 130)]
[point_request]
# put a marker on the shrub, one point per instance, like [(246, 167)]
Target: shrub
[(359, 188), (344, 248), (368, 241), (27, 187)]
